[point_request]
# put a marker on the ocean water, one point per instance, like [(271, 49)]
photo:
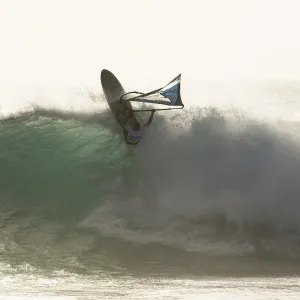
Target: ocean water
[(206, 207)]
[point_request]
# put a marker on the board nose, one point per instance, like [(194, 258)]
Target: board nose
[(106, 75), (105, 72)]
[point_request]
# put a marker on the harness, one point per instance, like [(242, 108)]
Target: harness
[(134, 136)]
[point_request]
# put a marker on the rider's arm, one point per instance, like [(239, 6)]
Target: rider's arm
[(151, 118)]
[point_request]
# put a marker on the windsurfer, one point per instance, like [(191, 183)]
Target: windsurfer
[(133, 131)]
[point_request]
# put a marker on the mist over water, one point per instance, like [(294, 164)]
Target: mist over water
[(217, 176)]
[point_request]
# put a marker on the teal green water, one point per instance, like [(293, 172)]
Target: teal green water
[(55, 165)]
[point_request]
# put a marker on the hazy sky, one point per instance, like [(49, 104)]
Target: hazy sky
[(202, 39)]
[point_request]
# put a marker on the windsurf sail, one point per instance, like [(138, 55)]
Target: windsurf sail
[(168, 95)]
